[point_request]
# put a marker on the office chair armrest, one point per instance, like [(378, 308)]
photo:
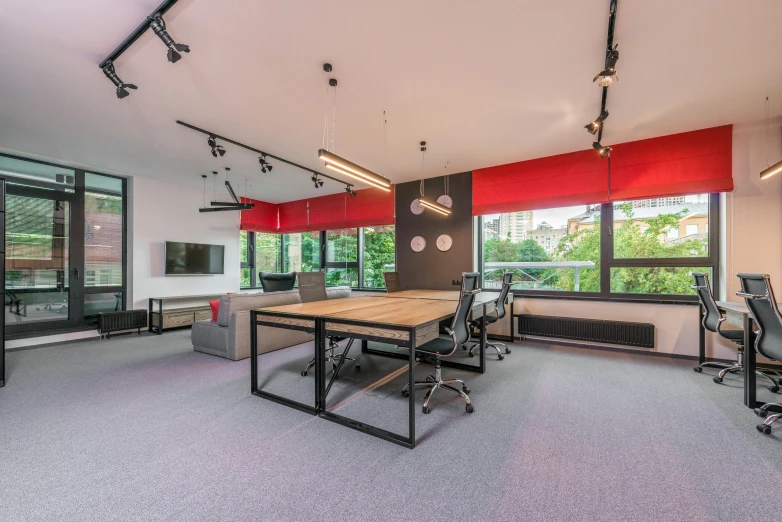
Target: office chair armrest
[(473, 292), (752, 296)]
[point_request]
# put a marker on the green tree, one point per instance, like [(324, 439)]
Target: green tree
[(379, 252)]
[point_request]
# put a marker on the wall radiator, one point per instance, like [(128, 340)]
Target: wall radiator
[(592, 330), (126, 320)]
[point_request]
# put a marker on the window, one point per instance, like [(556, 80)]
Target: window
[(103, 234), (379, 255), (555, 249), (355, 257), (633, 249)]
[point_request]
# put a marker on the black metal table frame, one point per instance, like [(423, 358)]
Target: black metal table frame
[(159, 329), (321, 333)]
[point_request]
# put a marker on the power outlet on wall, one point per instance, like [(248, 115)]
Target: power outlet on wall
[(456, 282)]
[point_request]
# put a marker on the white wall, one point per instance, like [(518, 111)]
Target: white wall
[(752, 231), (163, 212)]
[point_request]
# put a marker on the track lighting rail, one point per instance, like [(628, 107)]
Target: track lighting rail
[(258, 151), (161, 9)]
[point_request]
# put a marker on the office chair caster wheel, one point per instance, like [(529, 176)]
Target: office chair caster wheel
[(500, 356), (470, 408), (471, 354), (358, 367), (773, 389), (426, 409), (304, 373), (405, 393), (507, 350), (762, 428), (466, 390), (717, 380), (760, 413), (697, 369)]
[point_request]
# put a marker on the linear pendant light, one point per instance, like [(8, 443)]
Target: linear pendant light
[(348, 168), (776, 168), (432, 205)]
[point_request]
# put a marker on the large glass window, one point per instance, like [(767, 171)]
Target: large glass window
[(379, 254), (552, 249), (355, 257), (103, 231), (640, 248)]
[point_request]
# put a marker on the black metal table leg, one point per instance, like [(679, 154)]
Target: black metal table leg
[(150, 315), (482, 344), (750, 381), (253, 351), (320, 366), (701, 337), (411, 389)]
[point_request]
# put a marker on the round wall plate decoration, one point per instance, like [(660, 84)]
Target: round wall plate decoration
[(418, 244), (444, 243), (416, 208), (445, 200)]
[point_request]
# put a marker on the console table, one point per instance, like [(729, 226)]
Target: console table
[(161, 319)]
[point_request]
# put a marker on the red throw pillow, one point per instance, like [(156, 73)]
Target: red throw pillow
[(215, 309)]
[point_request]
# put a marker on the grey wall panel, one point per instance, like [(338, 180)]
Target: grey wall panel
[(432, 269)]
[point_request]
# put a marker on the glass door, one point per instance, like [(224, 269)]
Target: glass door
[(38, 263)]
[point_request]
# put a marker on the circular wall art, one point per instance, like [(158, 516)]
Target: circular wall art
[(444, 243)]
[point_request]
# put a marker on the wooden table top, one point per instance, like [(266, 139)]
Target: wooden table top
[(330, 306), (402, 312)]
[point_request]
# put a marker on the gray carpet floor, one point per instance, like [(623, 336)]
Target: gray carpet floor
[(143, 428)]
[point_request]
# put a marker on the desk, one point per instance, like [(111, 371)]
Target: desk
[(387, 318), (737, 314)]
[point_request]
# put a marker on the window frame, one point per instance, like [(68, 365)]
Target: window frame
[(250, 261), (608, 261)]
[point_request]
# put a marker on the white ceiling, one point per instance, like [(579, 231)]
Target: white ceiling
[(484, 83)]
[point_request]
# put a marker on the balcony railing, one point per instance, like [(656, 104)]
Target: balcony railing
[(525, 266)]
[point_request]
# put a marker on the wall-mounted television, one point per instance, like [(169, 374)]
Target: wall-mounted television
[(194, 259)]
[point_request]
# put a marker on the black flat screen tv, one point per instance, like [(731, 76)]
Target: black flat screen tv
[(194, 259)]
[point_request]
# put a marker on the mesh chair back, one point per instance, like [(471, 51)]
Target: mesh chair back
[(759, 296), (507, 281), (273, 282), (460, 325), (712, 315), (312, 286), (392, 282)]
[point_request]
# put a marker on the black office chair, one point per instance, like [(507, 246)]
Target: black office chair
[(274, 282), (759, 296), (393, 284), (459, 333), (507, 282), (312, 287), (712, 321)]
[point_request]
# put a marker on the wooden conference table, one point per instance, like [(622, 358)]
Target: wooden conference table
[(404, 319), (737, 314)]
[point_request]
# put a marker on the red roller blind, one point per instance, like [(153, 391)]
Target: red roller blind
[(335, 211), (555, 181), (261, 218), (688, 163)]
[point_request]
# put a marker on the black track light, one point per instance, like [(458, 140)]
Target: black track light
[(350, 191), (594, 126), (216, 149), (265, 165), (603, 151), (608, 74), (316, 180), (159, 28), (111, 74)]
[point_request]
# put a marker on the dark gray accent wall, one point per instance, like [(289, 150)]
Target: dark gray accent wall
[(432, 269)]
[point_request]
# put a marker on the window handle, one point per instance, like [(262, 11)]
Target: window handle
[(76, 273)]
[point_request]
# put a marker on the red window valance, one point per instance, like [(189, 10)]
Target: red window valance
[(335, 211), (262, 218), (687, 163)]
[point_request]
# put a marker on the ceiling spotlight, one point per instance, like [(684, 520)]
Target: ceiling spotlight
[(317, 181), (111, 74), (603, 151), (350, 191), (265, 165), (216, 149), (608, 74), (594, 126), (159, 27)]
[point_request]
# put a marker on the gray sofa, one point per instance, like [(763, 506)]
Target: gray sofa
[(229, 337)]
